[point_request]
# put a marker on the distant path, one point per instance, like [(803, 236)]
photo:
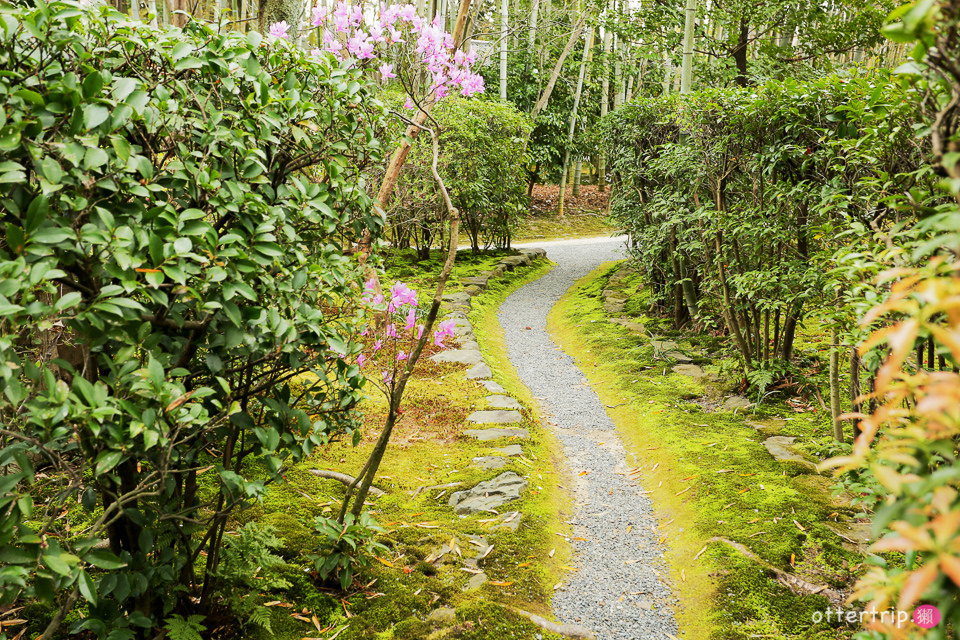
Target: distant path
[(613, 562)]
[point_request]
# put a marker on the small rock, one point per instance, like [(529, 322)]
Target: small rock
[(457, 297), (494, 416), (534, 252), (691, 370), (476, 281), (779, 447), (492, 434), (473, 290), (858, 533), (444, 616), (488, 495), (492, 386), (735, 403), (479, 371), (462, 326), (664, 345), (678, 356), (502, 402), (614, 305), (511, 450), (476, 581), (488, 463), (629, 324), (459, 356)]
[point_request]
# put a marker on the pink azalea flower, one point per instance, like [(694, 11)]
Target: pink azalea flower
[(419, 331), (411, 319), (279, 30), (409, 104), (444, 330), (407, 12), (391, 331), (401, 294), (361, 360), (386, 71), (318, 15), (401, 356), (377, 345), (473, 84), (440, 91)]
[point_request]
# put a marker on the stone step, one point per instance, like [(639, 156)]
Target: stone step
[(479, 371), (492, 386), (494, 416), (494, 433), (502, 402), (488, 495), (459, 356)]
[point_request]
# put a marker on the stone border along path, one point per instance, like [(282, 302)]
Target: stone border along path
[(620, 590)]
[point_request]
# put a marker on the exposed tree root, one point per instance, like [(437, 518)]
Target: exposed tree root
[(796, 584), (344, 478)]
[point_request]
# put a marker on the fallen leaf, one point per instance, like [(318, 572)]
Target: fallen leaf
[(382, 561), (497, 583), (523, 564)]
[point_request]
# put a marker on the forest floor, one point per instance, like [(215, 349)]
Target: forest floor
[(585, 215), (753, 546)]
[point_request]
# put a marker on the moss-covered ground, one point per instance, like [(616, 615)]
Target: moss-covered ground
[(710, 476), (393, 597)]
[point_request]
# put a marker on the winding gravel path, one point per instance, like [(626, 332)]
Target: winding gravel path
[(619, 591)]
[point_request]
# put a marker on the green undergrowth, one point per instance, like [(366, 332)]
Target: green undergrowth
[(710, 476), (550, 226), (393, 598), (422, 274)]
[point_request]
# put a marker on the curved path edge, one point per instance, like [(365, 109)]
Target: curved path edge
[(619, 590)]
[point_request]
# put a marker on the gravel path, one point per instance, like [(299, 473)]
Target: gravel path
[(619, 591)]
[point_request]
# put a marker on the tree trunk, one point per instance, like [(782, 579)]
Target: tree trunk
[(573, 118), (604, 105), (545, 94), (740, 52), (504, 29), (577, 169), (835, 386), (686, 72)]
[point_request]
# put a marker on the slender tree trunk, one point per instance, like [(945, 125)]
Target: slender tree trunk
[(835, 386), (548, 90), (577, 169), (855, 389), (573, 118), (604, 105), (740, 52), (504, 42), (686, 73), (532, 33)]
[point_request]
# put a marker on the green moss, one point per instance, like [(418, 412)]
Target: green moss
[(709, 476)]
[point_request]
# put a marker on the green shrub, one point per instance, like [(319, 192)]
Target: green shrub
[(482, 162), (166, 266), (346, 548)]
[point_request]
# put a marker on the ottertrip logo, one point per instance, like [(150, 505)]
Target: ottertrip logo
[(926, 616)]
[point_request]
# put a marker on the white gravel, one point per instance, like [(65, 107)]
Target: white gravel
[(619, 591)]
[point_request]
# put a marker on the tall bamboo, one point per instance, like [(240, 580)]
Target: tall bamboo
[(573, 118)]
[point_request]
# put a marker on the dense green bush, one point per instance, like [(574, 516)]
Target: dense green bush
[(172, 203), (737, 199), (482, 162)]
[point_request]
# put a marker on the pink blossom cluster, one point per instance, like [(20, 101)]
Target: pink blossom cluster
[(399, 327), (346, 34)]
